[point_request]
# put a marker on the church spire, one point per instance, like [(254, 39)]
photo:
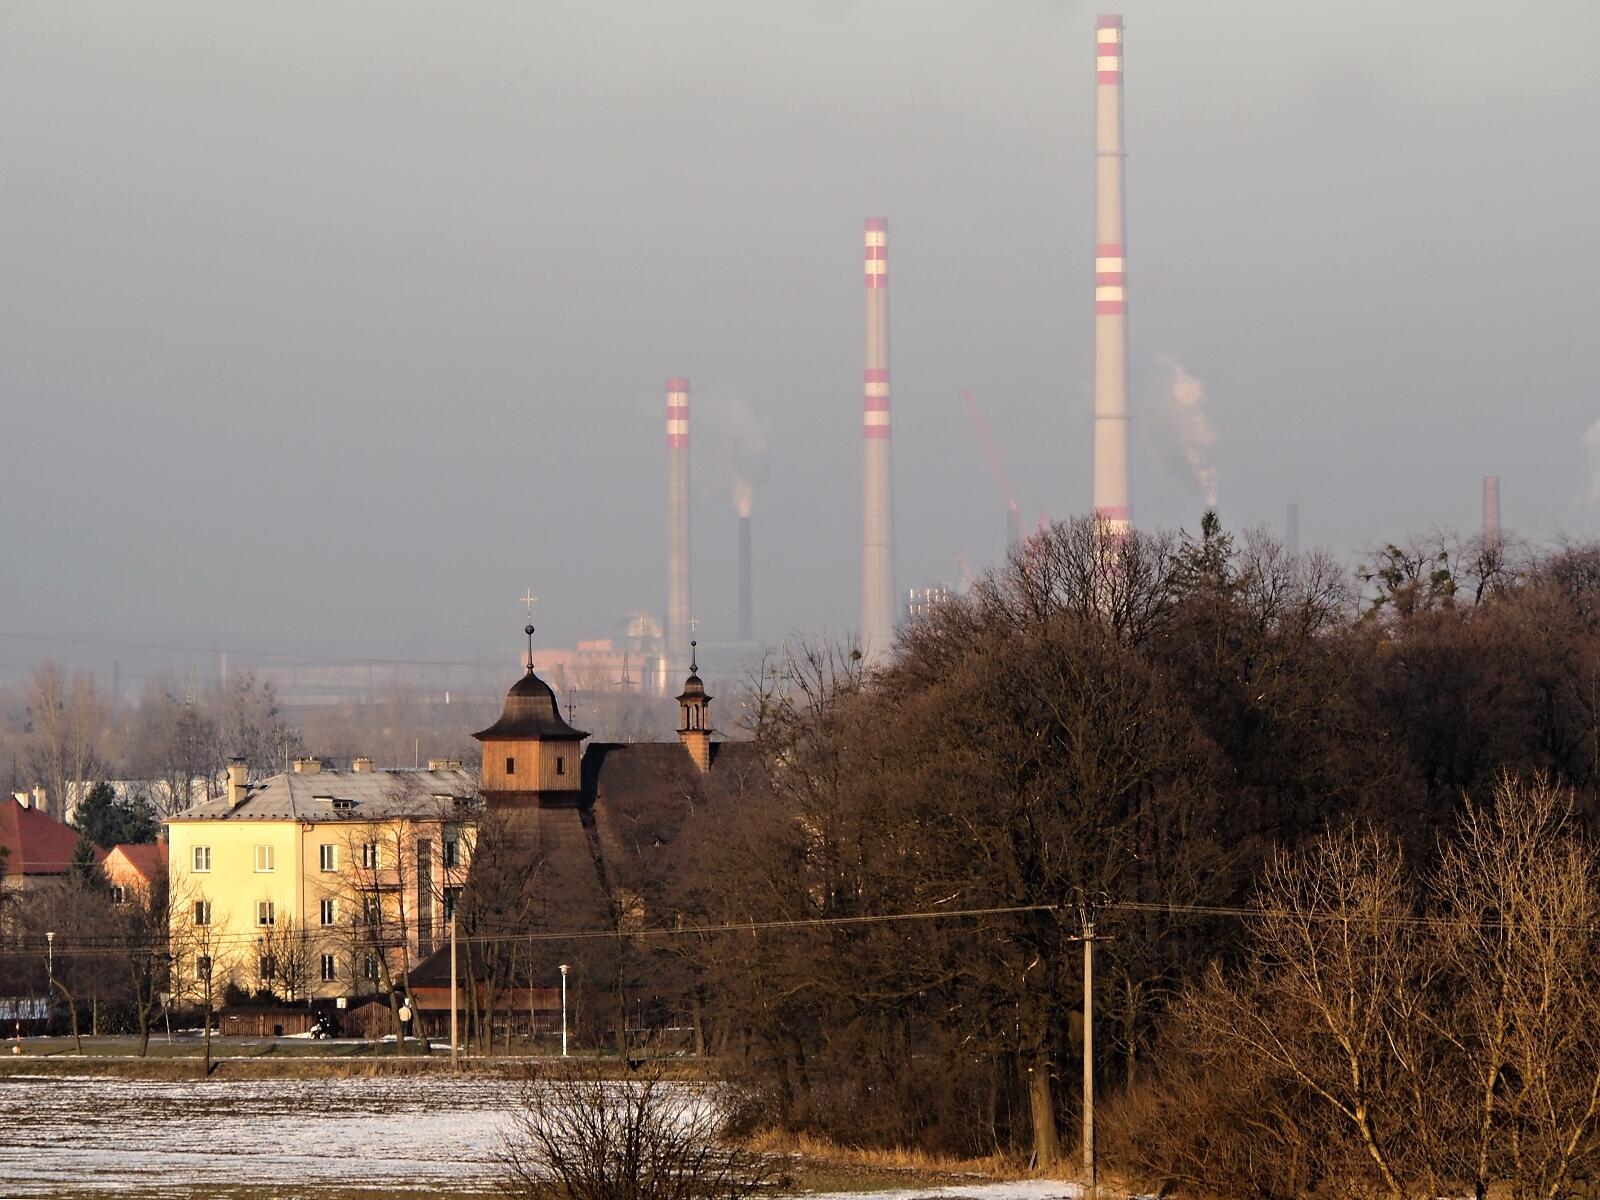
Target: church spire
[(694, 713)]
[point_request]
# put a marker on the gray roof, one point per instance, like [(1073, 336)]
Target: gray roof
[(344, 795)]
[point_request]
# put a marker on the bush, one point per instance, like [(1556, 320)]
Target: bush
[(586, 1138)]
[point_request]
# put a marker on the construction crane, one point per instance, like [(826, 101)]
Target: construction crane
[(1013, 513)]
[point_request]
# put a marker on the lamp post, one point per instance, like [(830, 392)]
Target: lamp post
[(563, 1010)]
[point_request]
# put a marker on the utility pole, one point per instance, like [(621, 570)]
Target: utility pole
[(455, 1045), (1088, 1054)]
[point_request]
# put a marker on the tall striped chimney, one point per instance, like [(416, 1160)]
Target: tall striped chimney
[(677, 526), (877, 528), (1110, 285), (1491, 510)]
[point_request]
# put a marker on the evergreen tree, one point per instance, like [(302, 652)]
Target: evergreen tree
[(106, 821), (85, 871)]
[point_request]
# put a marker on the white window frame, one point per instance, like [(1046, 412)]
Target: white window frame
[(452, 852), (266, 914), (329, 912), (202, 913), (119, 894), (202, 966), (371, 859), (328, 857), (265, 860), (201, 860), (329, 968)]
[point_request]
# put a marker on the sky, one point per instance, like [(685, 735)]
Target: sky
[(336, 327)]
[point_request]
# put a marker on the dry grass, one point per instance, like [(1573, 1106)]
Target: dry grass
[(899, 1159)]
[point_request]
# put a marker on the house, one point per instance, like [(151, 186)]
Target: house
[(134, 868), (35, 848), (318, 883)]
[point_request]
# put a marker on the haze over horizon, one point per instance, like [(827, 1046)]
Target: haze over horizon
[(336, 331)]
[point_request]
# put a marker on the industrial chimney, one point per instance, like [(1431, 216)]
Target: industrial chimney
[(747, 622), (1491, 511), (677, 524), (1110, 286), (877, 528)]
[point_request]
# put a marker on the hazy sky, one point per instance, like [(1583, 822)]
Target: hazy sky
[(339, 325)]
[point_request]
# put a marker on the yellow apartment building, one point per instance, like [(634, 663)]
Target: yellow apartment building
[(318, 883)]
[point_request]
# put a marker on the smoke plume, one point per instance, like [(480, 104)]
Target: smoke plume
[(1187, 423), (738, 448), (1591, 445)]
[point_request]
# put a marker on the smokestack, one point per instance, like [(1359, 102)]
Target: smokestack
[(1491, 510), (677, 526), (1110, 285), (877, 528), (747, 622), (1013, 525), (1291, 531)]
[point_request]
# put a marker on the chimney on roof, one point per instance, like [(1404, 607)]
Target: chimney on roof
[(238, 781), (40, 798), (307, 766), (362, 766)]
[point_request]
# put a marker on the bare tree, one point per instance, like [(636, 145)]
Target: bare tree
[(64, 722)]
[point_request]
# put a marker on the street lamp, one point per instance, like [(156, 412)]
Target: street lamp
[(563, 1010), (50, 956)]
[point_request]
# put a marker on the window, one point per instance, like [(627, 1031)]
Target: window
[(452, 851), (269, 968), (202, 967), (266, 912), (263, 859), (330, 969), (371, 911), (511, 766), (328, 856), (561, 765), (202, 858), (369, 856), (452, 901), (330, 914), (119, 894), (369, 966), (202, 912)]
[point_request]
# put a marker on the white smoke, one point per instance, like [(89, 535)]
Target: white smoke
[(1184, 409), (738, 447), (1591, 445)]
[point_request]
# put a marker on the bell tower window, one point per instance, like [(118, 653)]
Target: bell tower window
[(511, 765)]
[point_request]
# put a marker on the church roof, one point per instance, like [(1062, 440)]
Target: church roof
[(530, 713), (642, 793)]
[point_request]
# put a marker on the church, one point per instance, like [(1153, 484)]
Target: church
[(579, 839)]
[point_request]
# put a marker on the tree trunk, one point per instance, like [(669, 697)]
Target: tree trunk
[(1042, 1111)]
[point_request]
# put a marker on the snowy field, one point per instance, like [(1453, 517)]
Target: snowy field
[(426, 1135), (152, 1138)]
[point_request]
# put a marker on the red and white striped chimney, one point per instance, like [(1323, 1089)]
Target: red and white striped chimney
[(877, 529), (1110, 285), (678, 598)]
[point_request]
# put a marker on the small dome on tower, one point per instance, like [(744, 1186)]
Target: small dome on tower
[(530, 710)]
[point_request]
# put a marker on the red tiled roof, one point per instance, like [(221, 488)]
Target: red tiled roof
[(149, 859), (38, 844)]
